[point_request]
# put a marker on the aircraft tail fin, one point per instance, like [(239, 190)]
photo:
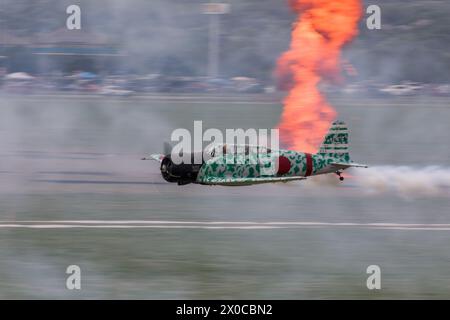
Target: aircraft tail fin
[(335, 145), (335, 142)]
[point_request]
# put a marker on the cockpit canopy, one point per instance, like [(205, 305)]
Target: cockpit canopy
[(236, 149)]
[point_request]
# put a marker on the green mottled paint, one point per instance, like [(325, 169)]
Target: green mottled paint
[(241, 169)]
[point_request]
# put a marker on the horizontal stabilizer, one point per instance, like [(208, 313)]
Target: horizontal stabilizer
[(156, 157), (345, 165)]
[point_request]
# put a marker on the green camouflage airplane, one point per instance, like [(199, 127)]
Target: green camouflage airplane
[(236, 165)]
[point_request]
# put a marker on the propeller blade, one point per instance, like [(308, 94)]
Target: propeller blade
[(167, 148)]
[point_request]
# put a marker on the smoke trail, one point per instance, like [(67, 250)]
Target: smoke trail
[(405, 180), (320, 32)]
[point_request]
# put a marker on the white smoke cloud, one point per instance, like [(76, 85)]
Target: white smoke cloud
[(405, 180)]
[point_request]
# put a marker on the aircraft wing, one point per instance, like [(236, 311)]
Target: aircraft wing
[(345, 165), (248, 181), (156, 157)]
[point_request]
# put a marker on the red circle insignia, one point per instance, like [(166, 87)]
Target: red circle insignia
[(284, 165)]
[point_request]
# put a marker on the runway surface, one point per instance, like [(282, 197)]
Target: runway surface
[(120, 224), (73, 191)]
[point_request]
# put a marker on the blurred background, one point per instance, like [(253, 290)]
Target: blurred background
[(153, 46), (79, 108)]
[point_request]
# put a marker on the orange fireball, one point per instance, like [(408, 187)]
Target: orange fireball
[(320, 32)]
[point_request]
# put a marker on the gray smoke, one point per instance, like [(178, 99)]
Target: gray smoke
[(405, 180), (402, 181)]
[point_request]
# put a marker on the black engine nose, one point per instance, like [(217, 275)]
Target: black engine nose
[(182, 173)]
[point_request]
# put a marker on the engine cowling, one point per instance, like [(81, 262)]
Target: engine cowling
[(182, 173)]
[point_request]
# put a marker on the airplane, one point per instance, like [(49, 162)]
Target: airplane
[(216, 169)]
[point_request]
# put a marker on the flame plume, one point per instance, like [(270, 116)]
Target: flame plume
[(318, 35)]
